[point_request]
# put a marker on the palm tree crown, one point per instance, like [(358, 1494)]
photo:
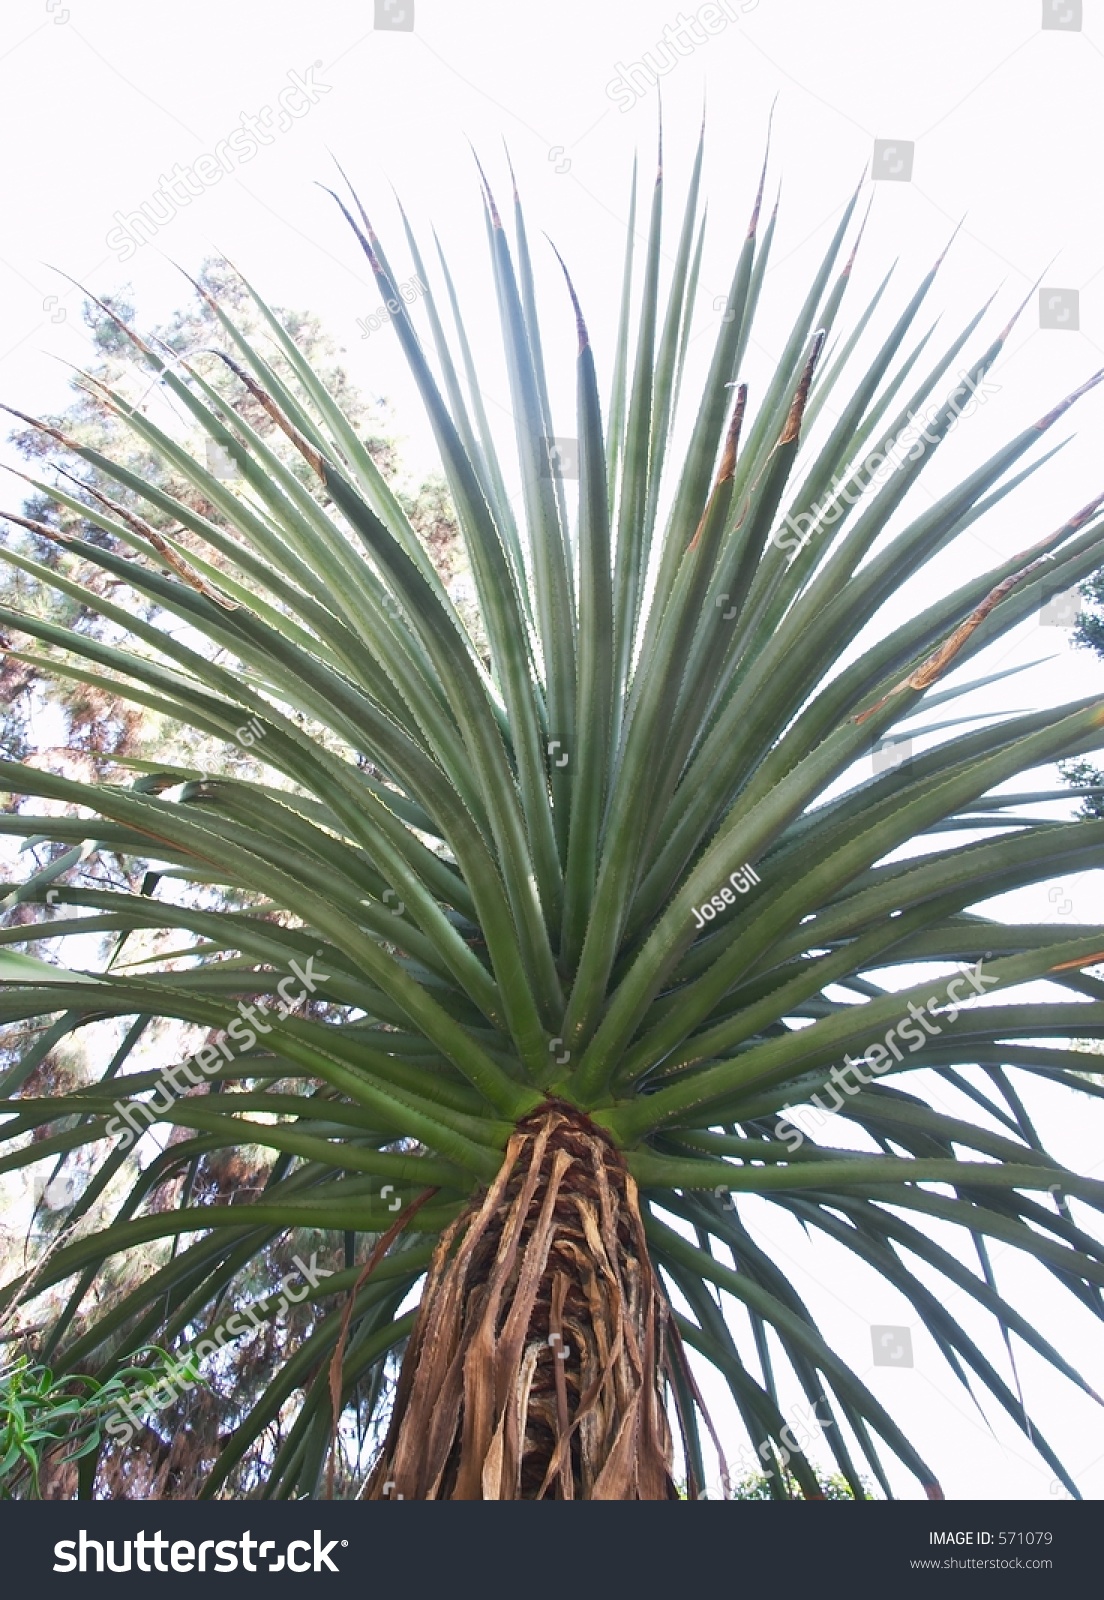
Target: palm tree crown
[(533, 928)]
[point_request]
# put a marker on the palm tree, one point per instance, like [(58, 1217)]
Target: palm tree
[(582, 896)]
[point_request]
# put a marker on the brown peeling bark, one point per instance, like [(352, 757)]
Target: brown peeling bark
[(535, 1369)]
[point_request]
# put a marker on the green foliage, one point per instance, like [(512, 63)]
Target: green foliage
[(40, 1411), (759, 1486), (1090, 624), (1085, 776), (1088, 781), (505, 832)]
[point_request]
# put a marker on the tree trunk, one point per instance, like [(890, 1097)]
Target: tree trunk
[(536, 1366)]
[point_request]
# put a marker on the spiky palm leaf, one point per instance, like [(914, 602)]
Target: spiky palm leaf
[(503, 902)]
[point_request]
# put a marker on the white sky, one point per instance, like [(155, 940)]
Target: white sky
[(101, 98)]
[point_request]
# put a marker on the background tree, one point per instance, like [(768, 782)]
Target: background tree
[(90, 724), (1087, 775)]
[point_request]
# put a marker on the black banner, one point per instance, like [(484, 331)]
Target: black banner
[(396, 1548)]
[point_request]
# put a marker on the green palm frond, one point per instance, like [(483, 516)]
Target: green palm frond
[(518, 862)]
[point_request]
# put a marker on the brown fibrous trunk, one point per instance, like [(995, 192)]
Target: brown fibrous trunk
[(535, 1369)]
